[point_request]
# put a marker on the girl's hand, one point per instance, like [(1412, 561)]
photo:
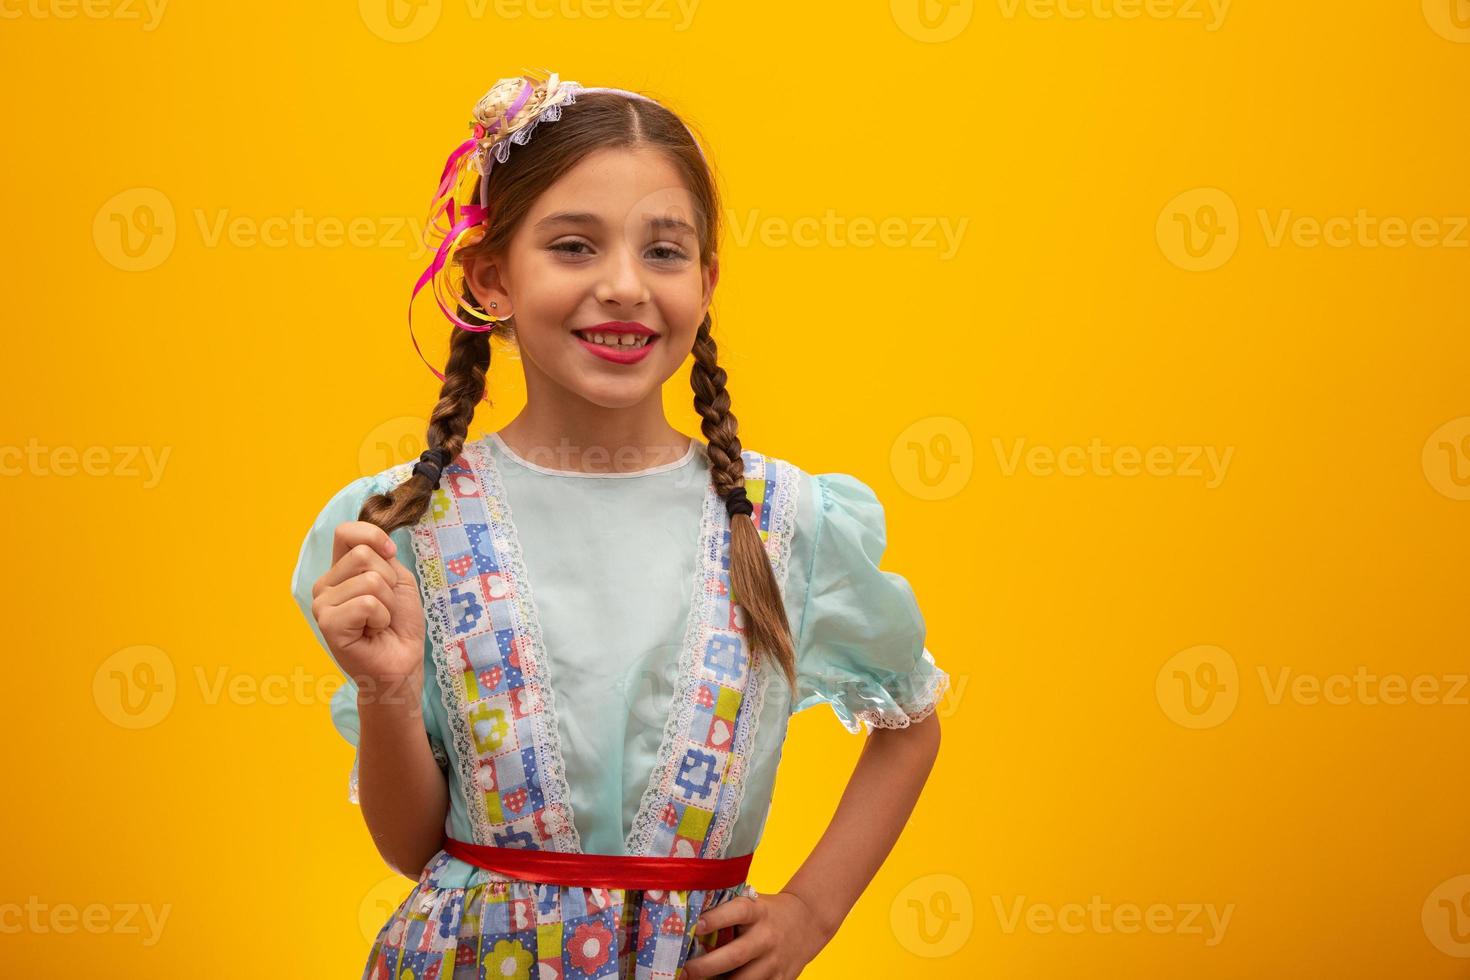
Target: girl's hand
[(777, 937), (368, 607)]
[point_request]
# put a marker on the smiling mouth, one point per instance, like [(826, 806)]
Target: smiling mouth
[(616, 341)]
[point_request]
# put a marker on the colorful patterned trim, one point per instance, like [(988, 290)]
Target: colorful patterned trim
[(694, 792), (488, 657), (490, 662)]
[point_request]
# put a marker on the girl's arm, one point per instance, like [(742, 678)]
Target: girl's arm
[(371, 618), (402, 790), (875, 806), (785, 931)]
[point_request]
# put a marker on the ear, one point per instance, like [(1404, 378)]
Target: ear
[(711, 276), (483, 276)]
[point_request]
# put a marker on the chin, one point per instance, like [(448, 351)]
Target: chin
[(615, 395)]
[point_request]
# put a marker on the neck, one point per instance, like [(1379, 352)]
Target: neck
[(589, 438)]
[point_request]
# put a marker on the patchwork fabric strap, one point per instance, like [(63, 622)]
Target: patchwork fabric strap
[(603, 870)]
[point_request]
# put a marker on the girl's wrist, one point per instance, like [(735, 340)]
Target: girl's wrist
[(400, 694), (824, 922)]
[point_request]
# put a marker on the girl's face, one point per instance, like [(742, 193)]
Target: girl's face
[(611, 244)]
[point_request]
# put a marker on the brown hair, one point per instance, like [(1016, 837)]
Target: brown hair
[(598, 120)]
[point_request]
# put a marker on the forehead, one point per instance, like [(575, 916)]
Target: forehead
[(618, 185)]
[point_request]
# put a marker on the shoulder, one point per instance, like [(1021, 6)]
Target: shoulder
[(832, 516), (819, 495)]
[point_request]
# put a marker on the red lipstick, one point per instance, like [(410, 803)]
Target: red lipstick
[(622, 354)]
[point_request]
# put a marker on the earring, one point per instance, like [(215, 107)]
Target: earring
[(493, 305)]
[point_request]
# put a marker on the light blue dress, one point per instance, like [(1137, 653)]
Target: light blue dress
[(610, 558)]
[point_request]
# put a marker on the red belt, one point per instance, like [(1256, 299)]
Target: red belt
[(603, 870)]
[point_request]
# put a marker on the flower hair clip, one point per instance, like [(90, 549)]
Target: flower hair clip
[(504, 116)]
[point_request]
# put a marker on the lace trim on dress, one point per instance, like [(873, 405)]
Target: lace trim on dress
[(781, 498), (706, 595), (532, 655), (911, 709), (436, 616), (555, 810)]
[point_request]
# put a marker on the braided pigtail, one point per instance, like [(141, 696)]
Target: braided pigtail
[(449, 424), (752, 579)]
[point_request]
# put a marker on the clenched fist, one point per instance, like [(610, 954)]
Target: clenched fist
[(368, 608)]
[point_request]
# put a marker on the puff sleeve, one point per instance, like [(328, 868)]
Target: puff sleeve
[(860, 646), (313, 560)]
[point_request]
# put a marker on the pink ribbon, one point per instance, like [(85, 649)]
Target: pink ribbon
[(460, 221)]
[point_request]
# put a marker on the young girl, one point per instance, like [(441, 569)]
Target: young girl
[(603, 625)]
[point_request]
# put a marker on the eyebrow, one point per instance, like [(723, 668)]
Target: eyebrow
[(587, 218)]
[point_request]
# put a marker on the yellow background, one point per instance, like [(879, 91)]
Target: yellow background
[(1079, 612)]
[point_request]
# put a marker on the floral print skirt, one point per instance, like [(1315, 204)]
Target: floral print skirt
[(501, 927)]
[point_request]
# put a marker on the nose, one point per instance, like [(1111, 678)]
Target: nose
[(621, 283)]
